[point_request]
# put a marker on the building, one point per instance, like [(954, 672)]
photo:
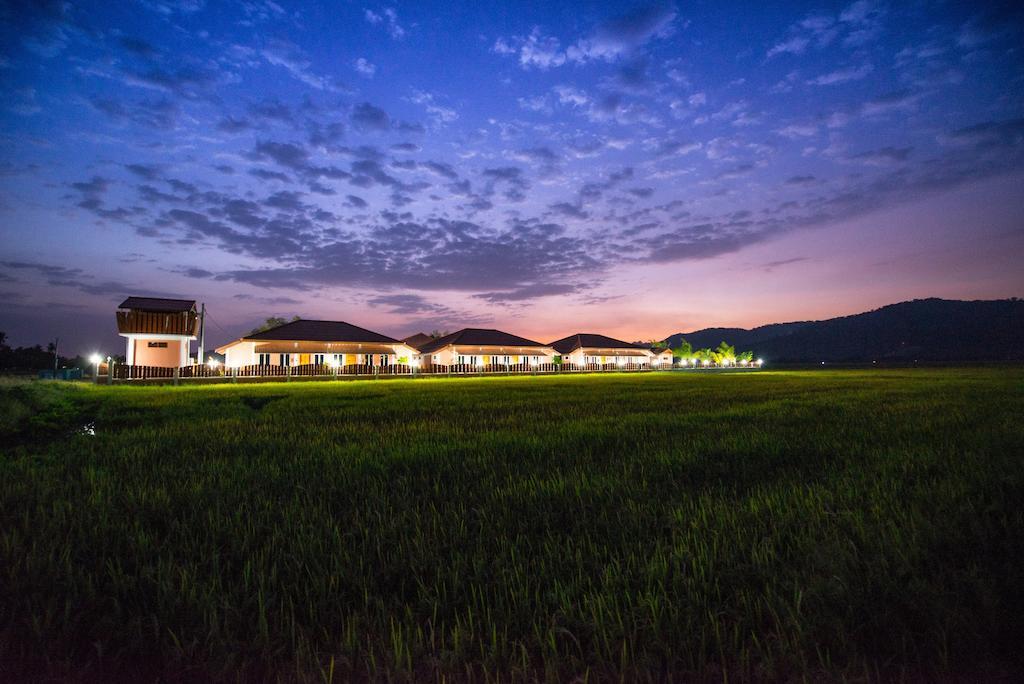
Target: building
[(418, 340), (303, 342), (157, 332), (662, 357), (589, 349), (484, 347)]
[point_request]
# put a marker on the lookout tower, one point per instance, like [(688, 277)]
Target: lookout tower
[(157, 331)]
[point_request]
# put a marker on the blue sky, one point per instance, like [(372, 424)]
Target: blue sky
[(636, 169)]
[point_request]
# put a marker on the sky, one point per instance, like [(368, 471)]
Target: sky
[(545, 168)]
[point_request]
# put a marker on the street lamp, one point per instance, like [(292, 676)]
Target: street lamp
[(95, 360)]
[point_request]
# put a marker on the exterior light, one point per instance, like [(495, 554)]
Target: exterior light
[(95, 359), (332, 362), (760, 362), (622, 362), (706, 362), (212, 362), (743, 362)]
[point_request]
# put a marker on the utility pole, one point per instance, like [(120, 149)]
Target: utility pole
[(202, 333), (55, 357)]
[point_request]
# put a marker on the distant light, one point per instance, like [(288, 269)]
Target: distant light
[(822, 363), (213, 363), (706, 362), (743, 362), (760, 362), (95, 359)]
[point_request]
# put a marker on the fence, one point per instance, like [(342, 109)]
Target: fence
[(199, 371)]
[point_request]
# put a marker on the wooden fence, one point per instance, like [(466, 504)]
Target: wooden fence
[(311, 370)]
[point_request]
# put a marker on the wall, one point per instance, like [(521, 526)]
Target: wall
[(167, 357)]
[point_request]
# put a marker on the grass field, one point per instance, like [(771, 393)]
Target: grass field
[(773, 525)]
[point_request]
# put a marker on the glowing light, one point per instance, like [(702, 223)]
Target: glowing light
[(212, 362), (760, 362), (622, 362), (743, 362), (95, 359), (332, 362), (706, 362)]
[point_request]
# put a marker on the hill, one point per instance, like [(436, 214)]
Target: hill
[(938, 330)]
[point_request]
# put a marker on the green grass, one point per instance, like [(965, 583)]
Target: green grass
[(773, 525)]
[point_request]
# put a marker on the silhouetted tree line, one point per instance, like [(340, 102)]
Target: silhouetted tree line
[(35, 357)]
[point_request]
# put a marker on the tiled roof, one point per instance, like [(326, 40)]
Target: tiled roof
[(320, 331), (479, 337), (418, 340), (158, 304), (591, 341)]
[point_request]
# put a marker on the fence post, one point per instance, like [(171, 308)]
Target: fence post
[(177, 374), (288, 374), (234, 374), (110, 371)]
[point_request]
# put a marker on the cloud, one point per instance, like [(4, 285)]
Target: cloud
[(611, 40), (388, 18), (883, 156), (842, 75), (366, 117), (364, 67), (439, 115), (63, 276), (528, 292), (289, 57), (540, 51), (795, 46), (623, 34), (161, 114)]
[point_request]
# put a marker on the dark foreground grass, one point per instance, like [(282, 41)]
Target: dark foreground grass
[(759, 526)]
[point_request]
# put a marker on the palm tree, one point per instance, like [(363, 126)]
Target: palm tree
[(683, 351)]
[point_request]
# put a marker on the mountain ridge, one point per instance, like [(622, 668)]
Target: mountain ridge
[(932, 329)]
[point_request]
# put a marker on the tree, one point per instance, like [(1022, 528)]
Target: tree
[(437, 334), (272, 322), (747, 356), (703, 355), (657, 344), (683, 351), (724, 354)]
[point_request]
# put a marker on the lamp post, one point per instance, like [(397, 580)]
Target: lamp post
[(95, 360)]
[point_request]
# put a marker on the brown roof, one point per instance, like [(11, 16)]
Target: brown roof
[(661, 350), (320, 331), (158, 304), (418, 340), (481, 337), (591, 340)]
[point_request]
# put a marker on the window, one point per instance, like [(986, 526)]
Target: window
[(461, 360), (368, 359), (383, 359), (264, 359), (506, 360), (474, 360), (339, 359), (157, 345), (284, 359), (318, 359)]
